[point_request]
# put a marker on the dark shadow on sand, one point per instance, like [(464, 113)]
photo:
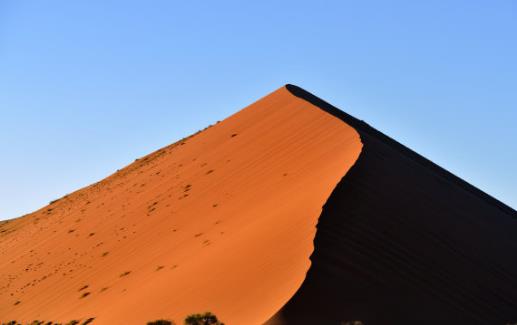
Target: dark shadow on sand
[(403, 241)]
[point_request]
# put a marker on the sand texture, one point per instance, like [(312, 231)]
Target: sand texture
[(289, 212), (223, 221), (402, 241)]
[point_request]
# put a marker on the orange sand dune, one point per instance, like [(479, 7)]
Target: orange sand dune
[(289, 212), (402, 241), (222, 221)]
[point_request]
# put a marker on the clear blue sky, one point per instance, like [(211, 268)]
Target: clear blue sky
[(88, 86)]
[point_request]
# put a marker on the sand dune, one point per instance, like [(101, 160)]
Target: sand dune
[(402, 241), (223, 221), (288, 212)]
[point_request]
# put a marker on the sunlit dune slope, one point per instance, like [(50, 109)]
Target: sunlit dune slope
[(222, 221), (289, 212), (403, 241)]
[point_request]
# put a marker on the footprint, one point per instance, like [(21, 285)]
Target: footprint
[(125, 274)]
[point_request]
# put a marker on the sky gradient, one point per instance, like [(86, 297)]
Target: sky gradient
[(88, 86)]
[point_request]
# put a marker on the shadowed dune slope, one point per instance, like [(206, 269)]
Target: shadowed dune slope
[(222, 221), (402, 241)]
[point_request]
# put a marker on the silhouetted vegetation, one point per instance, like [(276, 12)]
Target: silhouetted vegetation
[(161, 322), (195, 319), (42, 322), (202, 319)]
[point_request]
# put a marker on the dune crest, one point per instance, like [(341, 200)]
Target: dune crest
[(288, 212), (403, 241), (222, 221)]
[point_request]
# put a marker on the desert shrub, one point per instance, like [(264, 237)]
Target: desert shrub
[(202, 319), (160, 322)]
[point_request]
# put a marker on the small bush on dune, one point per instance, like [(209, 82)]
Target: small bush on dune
[(160, 322), (202, 319)]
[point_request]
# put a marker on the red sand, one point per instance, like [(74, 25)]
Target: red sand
[(223, 221), (403, 241), (226, 221)]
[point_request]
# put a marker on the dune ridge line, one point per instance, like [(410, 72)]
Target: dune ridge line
[(403, 241), (221, 221)]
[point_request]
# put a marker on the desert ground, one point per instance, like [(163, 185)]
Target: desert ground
[(288, 212), (221, 221)]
